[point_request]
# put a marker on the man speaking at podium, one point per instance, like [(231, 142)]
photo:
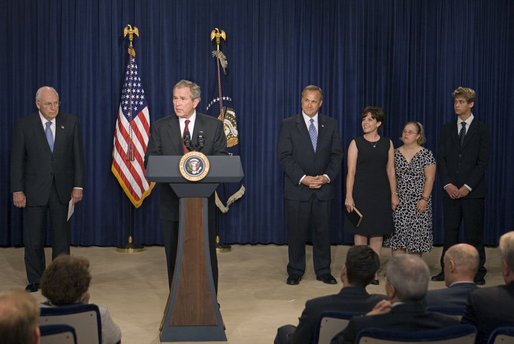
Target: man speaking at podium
[(177, 135)]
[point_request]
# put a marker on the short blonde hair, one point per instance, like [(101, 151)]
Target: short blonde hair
[(467, 93), (19, 317)]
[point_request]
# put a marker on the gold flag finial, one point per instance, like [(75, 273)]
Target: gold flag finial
[(128, 30), (216, 33)]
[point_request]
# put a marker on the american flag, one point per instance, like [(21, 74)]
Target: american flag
[(131, 138)]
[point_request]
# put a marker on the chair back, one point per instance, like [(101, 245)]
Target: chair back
[(85, 319), (502, 335), (454, 311), (330, 324), (457, 334), (57, 334)]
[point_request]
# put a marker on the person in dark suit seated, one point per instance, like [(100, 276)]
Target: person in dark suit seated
[(47, 172), (19, 318), (176, 135), (358, 271), (406, 286), (489, 308), (310, 153), (65, 282), (460, 268), (462, 159)]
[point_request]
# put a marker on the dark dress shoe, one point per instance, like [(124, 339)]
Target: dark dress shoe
[(32, 287), (328, 279), (375, 282), (293, 279), (439, 277), (479, 281)]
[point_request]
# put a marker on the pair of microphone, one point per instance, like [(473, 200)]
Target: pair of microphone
[(189, 144)]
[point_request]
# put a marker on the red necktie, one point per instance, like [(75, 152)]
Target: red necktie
[(186, 130)]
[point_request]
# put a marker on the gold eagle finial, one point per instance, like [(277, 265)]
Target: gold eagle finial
[(216, 33), (128, 30)]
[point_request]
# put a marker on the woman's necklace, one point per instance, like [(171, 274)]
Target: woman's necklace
[(374, 144)]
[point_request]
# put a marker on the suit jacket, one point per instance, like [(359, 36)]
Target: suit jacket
[(455, 295), (489, 308), (297, 156), (407, 317), (34, 166), (166, 139), (349, 299), (466, 165)]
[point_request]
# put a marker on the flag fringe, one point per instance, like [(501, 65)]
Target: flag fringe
[(237, 195), (135, 202)]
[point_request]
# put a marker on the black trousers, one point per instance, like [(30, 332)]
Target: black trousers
[(471, 211), (34, 233), (300, 216), (170, 237)]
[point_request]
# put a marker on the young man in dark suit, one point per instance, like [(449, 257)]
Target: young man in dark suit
[(460, 268), (462, 159), (47, 171), (490, 308), (406, 286), (166, 138), (358, 271), (310, 152)]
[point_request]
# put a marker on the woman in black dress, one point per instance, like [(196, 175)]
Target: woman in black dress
[(371, 182)]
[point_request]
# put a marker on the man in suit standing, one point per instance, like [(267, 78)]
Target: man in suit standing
[(167, 138), (490, 308), (462, 158), (358, 271), (406, 286), (47, 171), (310, 152), (460, 268)]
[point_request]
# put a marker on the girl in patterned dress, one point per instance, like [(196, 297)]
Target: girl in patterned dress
[(415, 173)]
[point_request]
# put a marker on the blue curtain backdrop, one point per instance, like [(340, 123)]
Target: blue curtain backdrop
[(406, 56)]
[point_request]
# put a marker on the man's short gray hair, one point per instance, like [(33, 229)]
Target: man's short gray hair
[(409, 276), (507, 249), (194, 88), (41, 89)]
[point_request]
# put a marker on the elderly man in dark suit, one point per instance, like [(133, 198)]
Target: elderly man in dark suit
[(310, 152), (489, 308), (358, 271), (460, 268), (203, 132), (47, 171), (406, 286), (462, 158)]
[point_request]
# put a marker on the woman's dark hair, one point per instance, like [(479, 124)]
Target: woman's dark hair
[(376, 113)]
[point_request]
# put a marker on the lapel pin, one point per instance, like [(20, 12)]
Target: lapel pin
[(62, 126)]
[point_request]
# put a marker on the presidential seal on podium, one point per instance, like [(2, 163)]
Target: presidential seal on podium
[(194, 166)]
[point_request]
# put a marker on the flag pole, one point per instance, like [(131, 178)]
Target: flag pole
[(217, 35), (130, 247)]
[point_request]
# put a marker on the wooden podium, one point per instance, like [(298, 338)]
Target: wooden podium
[(192, 312)]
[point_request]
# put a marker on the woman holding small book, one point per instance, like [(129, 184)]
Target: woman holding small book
[(370, 182)]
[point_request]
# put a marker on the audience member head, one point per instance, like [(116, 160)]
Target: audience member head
[(507, 256), (460, 264), (360, 267), (66, 280), (19, 318), (406, 278)]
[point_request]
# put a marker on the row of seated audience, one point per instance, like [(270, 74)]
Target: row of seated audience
[(64, 282), (403, 308)]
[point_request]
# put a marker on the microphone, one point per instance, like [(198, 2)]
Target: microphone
[(201, 140), (187, 140)]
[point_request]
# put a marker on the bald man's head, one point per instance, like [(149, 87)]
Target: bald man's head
[(460, 263)]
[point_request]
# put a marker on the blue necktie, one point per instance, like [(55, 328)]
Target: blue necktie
[(313, 134), (49, 136)]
